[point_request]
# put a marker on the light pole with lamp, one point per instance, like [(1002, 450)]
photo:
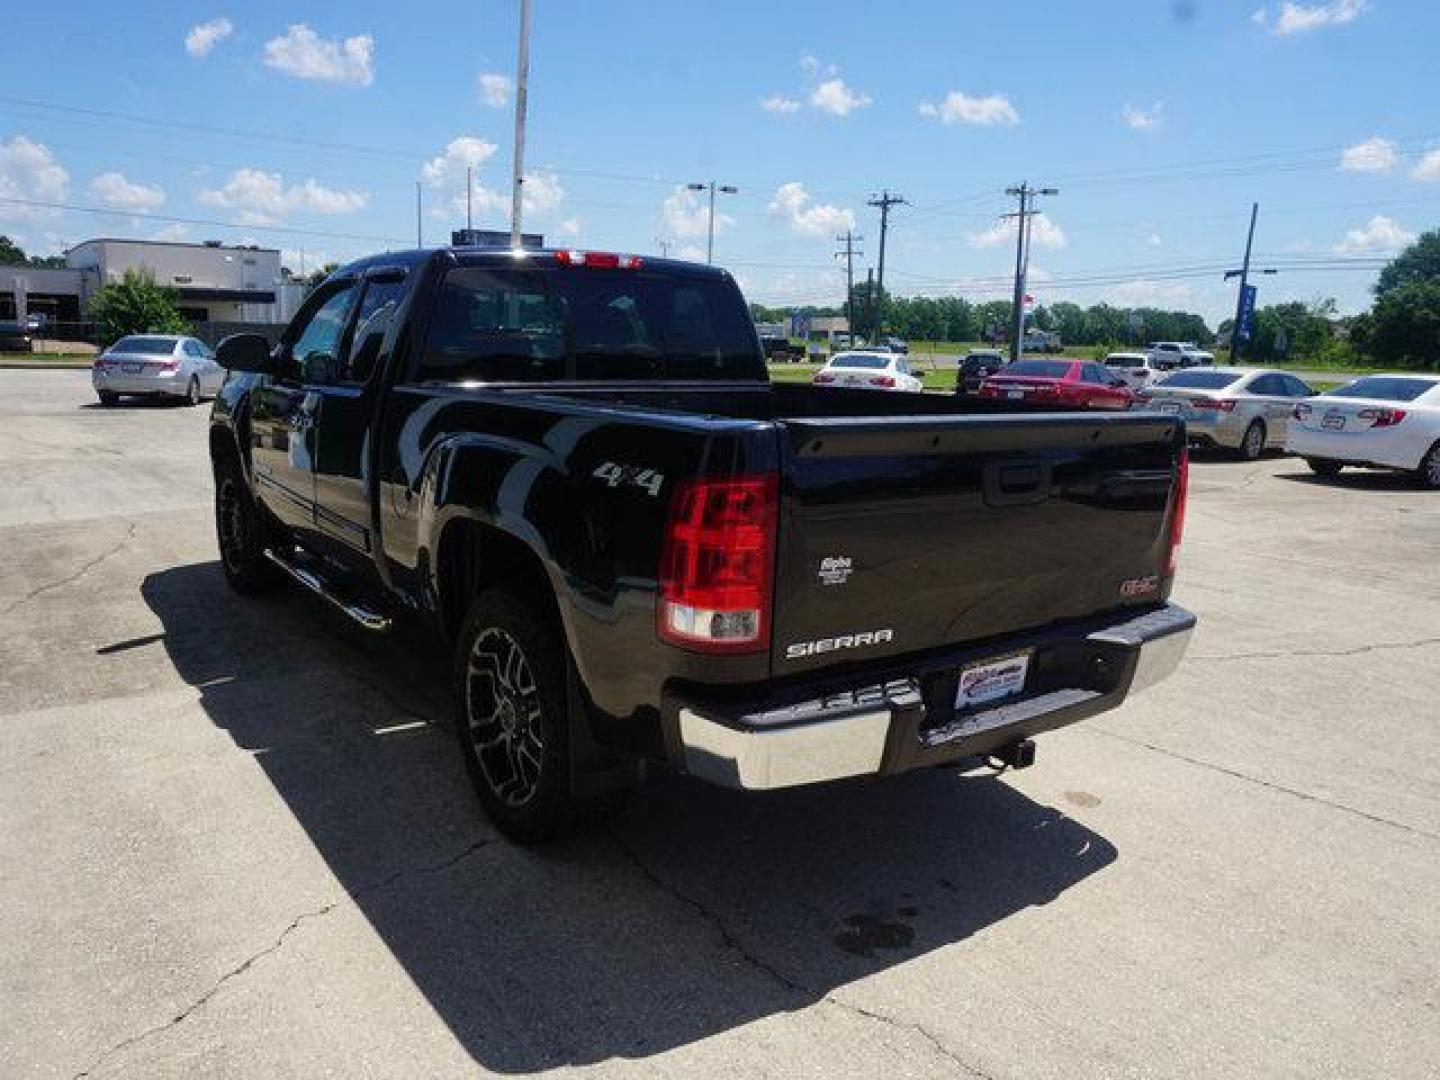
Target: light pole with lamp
[(712, 187)]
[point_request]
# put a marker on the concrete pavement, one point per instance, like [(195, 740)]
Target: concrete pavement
[(238, 841)]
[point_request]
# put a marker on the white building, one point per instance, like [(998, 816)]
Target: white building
[(212, 282)]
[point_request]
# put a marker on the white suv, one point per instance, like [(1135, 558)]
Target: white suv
[(1138, 369)]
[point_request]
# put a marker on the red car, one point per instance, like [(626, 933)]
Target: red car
[(1073, 384)]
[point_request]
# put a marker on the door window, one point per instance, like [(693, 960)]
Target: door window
[(372, 320), (315, 355), (1269, 386)]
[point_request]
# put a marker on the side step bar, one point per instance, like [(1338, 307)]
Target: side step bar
[(358, 610)]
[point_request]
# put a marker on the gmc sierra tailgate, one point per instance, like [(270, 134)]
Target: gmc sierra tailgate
[(900, 535)]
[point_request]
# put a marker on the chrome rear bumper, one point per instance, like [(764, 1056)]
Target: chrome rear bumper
[(888, 727)]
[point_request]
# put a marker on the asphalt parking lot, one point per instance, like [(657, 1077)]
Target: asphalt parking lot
[(237, 842)]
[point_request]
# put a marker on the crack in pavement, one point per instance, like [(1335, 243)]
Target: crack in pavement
[(269, 950), (1344, 808), (1358, 650), (759, 963), (84, 569)]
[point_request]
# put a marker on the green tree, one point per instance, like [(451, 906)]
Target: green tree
[(1418, 262), (10, 253), (135, 305), (1403, 328)]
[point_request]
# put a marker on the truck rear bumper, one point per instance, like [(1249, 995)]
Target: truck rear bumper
[(906, 722)]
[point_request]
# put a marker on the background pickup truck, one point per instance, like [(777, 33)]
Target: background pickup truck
[(573, 468)]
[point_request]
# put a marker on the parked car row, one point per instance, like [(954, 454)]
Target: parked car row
[(1377, 421)]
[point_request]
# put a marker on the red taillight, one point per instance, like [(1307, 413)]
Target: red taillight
[(717, 564), (1382, 417), (1177, 514), (1226, 405), (882, 380), (599, 260)]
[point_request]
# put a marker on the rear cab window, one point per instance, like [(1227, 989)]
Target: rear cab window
[(537, 321)]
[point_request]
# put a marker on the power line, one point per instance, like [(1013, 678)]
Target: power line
[(848, 239)]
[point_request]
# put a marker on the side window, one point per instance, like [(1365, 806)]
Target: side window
[(1269, 386), (1094, 373), (195, 349), (372, 320), (315, 355), (1298, 387)]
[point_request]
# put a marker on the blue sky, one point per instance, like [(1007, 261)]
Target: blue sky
[(307, 126)]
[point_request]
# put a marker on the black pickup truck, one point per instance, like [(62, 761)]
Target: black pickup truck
[(573, 467)]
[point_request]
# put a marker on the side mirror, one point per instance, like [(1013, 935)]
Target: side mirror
[(244, 352)]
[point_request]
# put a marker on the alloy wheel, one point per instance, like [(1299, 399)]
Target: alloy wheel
[(502, 707)]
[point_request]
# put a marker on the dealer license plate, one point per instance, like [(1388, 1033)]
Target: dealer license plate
[(1016, 394), (1333, 422), (1170, 407), (993, 679)]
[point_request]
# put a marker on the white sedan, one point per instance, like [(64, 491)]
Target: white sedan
[(1380, 421), (869, 371)]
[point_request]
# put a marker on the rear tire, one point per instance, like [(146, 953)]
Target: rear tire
[(108, 397), (242, 533), (1253, 444), (1428, 474), (513, 722), (1324, 466)]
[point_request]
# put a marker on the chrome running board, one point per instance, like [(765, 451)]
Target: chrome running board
[(357, 610)]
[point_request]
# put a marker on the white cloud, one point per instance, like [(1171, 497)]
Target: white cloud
[(261, 198), (1379, 235), (837, 99), (113, 190), (806, 217), (1427, 169), (172, 233), (1143, 292), (1044, 233), (445, 174), (779, 103), (569, 227), (306, 55), (958, 108), (1372, 155), (495, 89), (691, 252), (1299, 18), (201, 39), (447, 168), (686, 213), (1154, 240), (811, 66), (1259, 16), (29, 171), (1140, 119)]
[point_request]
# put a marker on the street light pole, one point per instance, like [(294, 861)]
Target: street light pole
[(522, 101), (712, 187)]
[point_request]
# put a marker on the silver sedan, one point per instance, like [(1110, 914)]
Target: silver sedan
[(1238, 408), (157, 365)]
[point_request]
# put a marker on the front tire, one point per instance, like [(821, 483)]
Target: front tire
[(242, 533), (1428, 474), (108, 397), (1324, 466), (513, 723), (192, 392), (1253, 444)]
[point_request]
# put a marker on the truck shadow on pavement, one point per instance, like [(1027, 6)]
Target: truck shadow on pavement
[(696, 912)]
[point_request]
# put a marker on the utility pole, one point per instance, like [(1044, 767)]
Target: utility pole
[(469, 187), (522, 102), (869, 301), (419, 230), (1244, 274), (712, 187), (884, 201), (848, 255), (1026, 194), (664, 246)]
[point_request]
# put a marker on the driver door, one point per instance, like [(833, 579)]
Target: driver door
[(284, 405)]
